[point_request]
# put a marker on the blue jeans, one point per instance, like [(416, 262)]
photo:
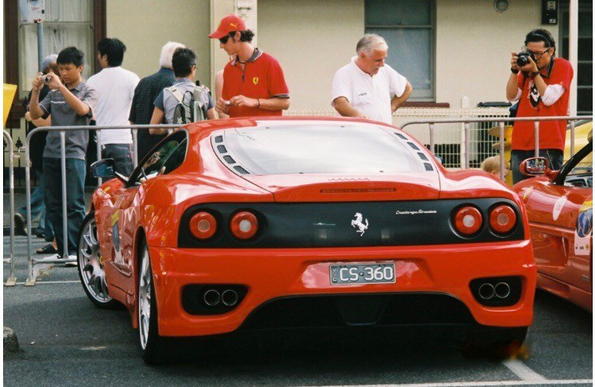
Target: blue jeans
[(122, 155), (555, 158), (38, 207), (75, 199)]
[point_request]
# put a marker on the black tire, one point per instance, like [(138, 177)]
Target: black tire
[(154, 348), (494, 343), (90, 266)]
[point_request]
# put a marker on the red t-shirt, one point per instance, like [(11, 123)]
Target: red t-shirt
[(552, 134), (262, 77)]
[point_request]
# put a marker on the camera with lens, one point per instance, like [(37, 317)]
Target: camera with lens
[(523, 58), (47, 79)]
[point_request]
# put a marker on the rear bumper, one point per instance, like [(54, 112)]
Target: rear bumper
[(291, 287)]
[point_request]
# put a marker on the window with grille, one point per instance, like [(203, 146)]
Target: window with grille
[(408, 26)]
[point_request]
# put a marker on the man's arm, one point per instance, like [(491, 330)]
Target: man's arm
[(34, 109), (512, 86), (211, 115), (272, 104), (40, 121), (396, 102), (157, 119), (342, 105)]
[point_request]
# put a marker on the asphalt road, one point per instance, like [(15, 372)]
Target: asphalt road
[(65, 340)]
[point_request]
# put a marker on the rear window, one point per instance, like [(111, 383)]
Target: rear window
[(316, 148)]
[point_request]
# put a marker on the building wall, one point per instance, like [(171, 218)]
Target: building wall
[(313, 38), (146, 26), (473, 46)]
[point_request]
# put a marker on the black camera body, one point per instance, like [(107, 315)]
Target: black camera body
[(523, 58)]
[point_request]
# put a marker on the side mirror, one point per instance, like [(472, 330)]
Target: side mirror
[(103, 168), (535, 166)]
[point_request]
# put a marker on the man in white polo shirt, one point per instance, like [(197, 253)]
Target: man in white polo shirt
[(115, 89), (367, 86)]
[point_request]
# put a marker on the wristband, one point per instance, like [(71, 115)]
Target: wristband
[(258, 100), (534, 74), (514, 71)]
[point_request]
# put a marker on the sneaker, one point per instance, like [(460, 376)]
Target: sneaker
[(72, 264), (20, 224)]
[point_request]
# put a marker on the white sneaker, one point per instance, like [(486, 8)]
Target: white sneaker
[(72, 264), (50, 257)]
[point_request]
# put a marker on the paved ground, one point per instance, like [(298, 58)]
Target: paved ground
[(65, 340)]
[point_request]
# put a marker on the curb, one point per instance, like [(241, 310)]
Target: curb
[(11, 344)]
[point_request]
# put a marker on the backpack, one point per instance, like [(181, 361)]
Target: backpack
[(192, 105)]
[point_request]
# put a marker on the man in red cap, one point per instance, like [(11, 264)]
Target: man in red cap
[(253, 82)]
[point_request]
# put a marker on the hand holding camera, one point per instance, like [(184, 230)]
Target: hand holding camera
[(38, 82), (52, 80), (523, 61)]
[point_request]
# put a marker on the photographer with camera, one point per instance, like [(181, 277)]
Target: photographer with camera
[(70, 102), (540, 83)]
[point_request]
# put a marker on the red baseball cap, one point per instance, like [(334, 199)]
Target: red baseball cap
[(228, 24)]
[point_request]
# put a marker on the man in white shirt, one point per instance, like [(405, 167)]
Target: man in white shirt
[(115, 89), (367, 86)]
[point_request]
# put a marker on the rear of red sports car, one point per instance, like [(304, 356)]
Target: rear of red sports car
[(331, 223)]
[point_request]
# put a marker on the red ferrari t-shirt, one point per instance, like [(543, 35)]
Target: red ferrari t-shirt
[(552, 134), (261, 77)]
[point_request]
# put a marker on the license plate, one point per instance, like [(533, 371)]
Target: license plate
[(362, 274)]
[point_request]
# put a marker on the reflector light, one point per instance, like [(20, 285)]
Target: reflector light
[(468, 220), (203, 225), (502, 219), (244, 225)]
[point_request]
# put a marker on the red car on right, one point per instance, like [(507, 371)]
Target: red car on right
[(560, 209)]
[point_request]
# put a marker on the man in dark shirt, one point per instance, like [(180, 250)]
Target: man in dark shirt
[(144, 96)]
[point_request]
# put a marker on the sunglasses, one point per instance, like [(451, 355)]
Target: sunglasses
[(224, 39)]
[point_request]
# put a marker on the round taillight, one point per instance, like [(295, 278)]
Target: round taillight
[(244, 225), (502, 219), (468, 220), (203, 225)]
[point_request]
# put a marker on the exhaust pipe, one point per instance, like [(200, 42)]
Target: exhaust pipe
[(212, 297), (229, 297), (486, 291), (502, 290)]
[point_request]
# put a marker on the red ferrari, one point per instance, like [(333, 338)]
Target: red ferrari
[(560, 209), (305, 222)]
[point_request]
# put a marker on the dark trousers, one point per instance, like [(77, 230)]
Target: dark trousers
[(75, 199), (555, 158), (122, 155)]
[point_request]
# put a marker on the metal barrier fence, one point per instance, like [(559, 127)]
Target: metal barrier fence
[(467, 121), (62, 130), (11, 281)]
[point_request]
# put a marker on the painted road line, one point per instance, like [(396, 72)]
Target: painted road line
[(52, 282), (479, 384), (522, 371)]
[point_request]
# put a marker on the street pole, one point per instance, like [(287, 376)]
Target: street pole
[(40, 44)]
